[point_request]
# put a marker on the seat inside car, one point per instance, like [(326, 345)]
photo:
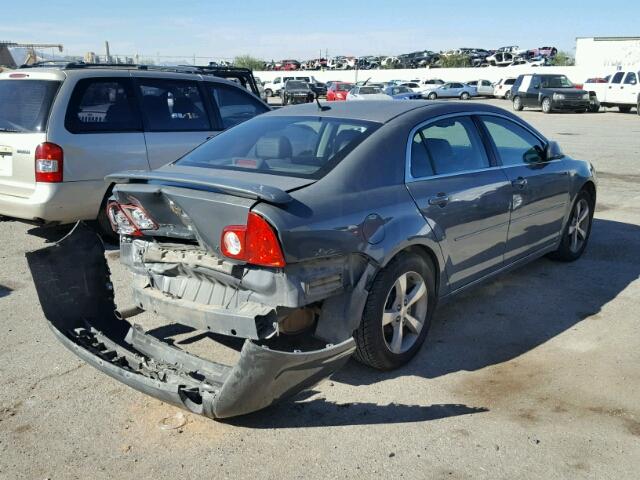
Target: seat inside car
[(273, 147), (443, 156)]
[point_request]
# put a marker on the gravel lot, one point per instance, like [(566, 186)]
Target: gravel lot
[(534, 375)]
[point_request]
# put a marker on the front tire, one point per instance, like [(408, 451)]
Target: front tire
[(546, 105), (268, 92), (517, 104), (432, 96), (577, 231), (464, 96), (397, 314)]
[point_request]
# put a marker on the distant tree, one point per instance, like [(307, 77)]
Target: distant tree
[(247, 61), (454, 61), (563, 59)]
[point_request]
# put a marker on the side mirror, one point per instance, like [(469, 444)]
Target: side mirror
[(553, 151)]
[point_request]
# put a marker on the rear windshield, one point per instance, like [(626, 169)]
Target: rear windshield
[(25, 104), (344, 87), (304, 147)]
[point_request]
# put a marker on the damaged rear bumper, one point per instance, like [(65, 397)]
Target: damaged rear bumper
[(73, 285)]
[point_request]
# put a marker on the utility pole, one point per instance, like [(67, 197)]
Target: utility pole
[(108, 54)]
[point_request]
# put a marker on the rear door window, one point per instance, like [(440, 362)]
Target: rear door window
[(25, 104), (103, 105), (172, 106), (453, 145), (235, 105)]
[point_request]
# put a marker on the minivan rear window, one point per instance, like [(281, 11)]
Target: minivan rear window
[(25, 104), (306, 147)]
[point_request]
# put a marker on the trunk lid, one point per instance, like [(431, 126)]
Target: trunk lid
[(195, 204), (25, 103)]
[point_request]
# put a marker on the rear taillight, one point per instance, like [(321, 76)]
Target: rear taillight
[(255, 243), (129, 219), (49, 158)]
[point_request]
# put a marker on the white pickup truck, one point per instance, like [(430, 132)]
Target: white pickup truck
[(620, 89)]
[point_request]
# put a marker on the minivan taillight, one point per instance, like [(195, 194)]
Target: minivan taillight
[(255, 243), (49, 159)]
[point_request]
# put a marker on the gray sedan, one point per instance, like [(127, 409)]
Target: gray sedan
[(452, 90), (313, 233)]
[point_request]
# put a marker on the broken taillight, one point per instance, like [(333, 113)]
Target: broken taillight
[(255, 243), (129, 219)]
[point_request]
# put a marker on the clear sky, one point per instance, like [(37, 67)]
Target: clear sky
[(276, 29)]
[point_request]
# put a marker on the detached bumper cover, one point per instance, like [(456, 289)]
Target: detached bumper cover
[(73, 285)]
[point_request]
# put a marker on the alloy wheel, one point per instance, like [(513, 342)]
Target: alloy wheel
[(579, 225), (404, 313)]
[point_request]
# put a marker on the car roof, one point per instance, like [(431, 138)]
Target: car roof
[(380, 111)]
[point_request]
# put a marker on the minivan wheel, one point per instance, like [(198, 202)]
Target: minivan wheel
[(517, 103), (464, 96), (577, 231), (546, 105), (397, 314), (432, 96)]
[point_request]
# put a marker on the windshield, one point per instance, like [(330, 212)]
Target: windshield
[(344, 87), (369, 90), (306, 147), (25, 104), (555, 81), (295, 84)]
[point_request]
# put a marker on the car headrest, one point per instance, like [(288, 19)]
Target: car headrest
[(345, 137), (119, 112), (273, 147), (442, 154), (185, 105)]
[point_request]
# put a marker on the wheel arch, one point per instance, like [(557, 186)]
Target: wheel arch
[(590, 188), (426, 253)]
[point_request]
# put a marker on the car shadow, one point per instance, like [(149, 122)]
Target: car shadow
[(520, 310), (5, 291), (322, 413)]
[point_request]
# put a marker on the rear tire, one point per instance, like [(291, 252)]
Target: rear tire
[(624, 108), (577, 231), (517, 104), (464, 96), (546, 105), (393, 328)]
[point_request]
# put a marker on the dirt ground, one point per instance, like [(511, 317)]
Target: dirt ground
[(534, 375)]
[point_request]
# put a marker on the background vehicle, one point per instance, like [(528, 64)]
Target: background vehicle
[(257, 242), (400, 92), (451, 90), (63, 129), (338, 91), (620, 89), (432, 82), (296, 91), (502, 89), (414, 86), (367, 92), (483, 87), (273, 88), (318, 88), (549, 92)]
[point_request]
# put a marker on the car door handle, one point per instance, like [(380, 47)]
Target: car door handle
[(441, 200), (520, 182)]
